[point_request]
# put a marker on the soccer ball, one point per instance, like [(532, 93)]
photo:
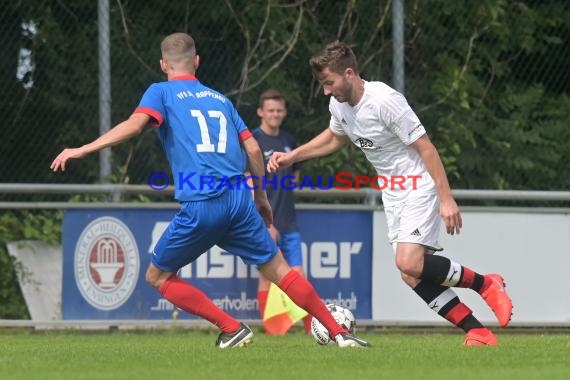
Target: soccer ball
[(344, 317)]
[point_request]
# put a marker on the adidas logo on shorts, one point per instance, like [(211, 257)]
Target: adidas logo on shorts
[(416, 232)]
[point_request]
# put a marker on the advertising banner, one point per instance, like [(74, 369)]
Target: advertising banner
[(106, 253)]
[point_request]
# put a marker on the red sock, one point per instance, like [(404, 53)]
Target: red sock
[(461, 316), (194, 301), (304, 295), (307, 323), (486, 283), (262, 299)]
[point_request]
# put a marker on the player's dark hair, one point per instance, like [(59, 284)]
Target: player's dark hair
[(270, 94), (336, 56)]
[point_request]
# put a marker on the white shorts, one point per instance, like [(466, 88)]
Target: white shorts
[(416, 220)]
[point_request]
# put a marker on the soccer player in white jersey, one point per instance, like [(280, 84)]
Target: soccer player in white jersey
[(378, 120)]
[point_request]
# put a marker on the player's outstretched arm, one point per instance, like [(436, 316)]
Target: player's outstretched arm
[(122, 132), (448, 207), (325, 143)]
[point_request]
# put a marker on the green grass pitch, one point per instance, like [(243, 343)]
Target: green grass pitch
[(190, 354)]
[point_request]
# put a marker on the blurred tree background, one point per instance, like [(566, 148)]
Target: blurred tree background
[(488, 79)]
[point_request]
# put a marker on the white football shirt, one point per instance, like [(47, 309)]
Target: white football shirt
[(383, 125)]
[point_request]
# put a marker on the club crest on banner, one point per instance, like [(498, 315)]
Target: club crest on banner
[(106, 263)]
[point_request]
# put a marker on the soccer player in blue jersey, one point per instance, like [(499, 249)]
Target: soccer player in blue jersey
[(203, 136)]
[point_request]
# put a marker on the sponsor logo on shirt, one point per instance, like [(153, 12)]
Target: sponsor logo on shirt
[(364, 143), (267, 154)]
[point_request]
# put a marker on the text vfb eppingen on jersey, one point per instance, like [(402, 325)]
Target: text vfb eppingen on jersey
[(339, 181)]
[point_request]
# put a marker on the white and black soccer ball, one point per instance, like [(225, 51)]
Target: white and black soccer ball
[(343, 316)]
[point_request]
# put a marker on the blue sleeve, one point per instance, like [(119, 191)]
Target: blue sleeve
[(236, 119), (152, 104)]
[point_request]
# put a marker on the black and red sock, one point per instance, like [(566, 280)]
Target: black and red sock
[(446, 303), (441, 270)]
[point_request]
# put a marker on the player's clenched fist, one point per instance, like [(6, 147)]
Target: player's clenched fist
[(278, 161)]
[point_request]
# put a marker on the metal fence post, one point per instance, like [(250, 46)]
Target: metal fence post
[(398, 45), (104, 86)]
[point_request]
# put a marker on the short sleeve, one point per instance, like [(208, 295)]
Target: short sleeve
[(242, 130), (401, 119), (152, 104), (335, 125)]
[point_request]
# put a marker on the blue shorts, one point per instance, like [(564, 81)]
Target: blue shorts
[(290, 244), (230, 221)]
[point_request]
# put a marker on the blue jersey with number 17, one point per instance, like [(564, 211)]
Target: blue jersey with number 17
[(200, 131)]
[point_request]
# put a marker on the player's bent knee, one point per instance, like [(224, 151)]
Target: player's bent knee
[(275, 269), (402, 262), (152, 280), (409, 265), (412, 282), (299, 270), (155, 277)]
